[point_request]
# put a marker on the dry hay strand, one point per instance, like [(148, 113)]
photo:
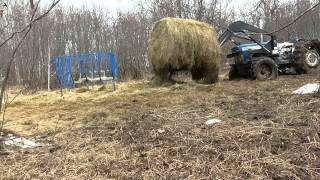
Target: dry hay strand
[(184, 44), (159, 133), (236, 149), (102, 88), (82, 90)]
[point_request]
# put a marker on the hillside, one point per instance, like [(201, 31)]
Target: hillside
[(144, 132)]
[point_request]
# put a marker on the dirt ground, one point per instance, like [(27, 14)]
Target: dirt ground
[(147, 132)]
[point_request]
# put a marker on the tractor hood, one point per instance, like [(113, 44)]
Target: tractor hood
[(245, 50), (247, 47)]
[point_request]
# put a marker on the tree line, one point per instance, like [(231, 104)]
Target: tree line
[(70, 30)]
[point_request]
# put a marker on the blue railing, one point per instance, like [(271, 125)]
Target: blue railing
[(88, 64)]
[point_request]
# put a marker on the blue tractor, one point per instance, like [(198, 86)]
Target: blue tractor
[(263, 58)]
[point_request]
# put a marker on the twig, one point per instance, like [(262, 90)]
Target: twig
[(3, 121), (16, 96)]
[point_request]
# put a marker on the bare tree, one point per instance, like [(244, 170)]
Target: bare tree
[(25, 31), (31, 5), (73, 31)]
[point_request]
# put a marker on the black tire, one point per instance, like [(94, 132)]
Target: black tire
[(306, 66), (233, 73), (264, 68), (302, 68), (312, 59), (300, 60)]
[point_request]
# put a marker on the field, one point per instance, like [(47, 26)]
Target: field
[(147, 132)]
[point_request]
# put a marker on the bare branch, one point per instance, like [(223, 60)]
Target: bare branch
[(32, 21), (31, 5), (297, 18), (27, 29)]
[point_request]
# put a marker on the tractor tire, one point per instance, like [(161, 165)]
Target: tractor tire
[(300, 65), (312, 59), (233, 73), (310, 63), (264, 69), (302, 68)]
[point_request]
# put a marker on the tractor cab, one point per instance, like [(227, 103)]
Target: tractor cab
[(250, 39)]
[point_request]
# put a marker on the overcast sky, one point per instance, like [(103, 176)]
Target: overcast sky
[(128, 5), (120, 5), (114, 5), (111, 5)]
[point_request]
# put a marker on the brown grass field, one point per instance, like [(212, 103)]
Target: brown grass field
[(147, 132)]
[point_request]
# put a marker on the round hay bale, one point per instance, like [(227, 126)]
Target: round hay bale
[(184, 44)]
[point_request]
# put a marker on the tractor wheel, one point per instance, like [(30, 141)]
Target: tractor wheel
[(312, 59), (309, 63), (233, 73), (265, 69)]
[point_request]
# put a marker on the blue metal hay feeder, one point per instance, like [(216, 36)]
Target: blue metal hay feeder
[(90, 66)]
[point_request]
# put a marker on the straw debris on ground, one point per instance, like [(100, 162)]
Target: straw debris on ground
[(184, 44), (146, 132)]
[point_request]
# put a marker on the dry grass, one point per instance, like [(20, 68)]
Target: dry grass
[(45, 112), (266, 133)]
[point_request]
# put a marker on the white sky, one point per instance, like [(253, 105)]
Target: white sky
[(114, 6), (118, 5), (110, 5), (128, 5)]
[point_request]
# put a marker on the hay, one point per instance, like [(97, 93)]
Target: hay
[(82, 90), (142, 132), (184, 44)]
